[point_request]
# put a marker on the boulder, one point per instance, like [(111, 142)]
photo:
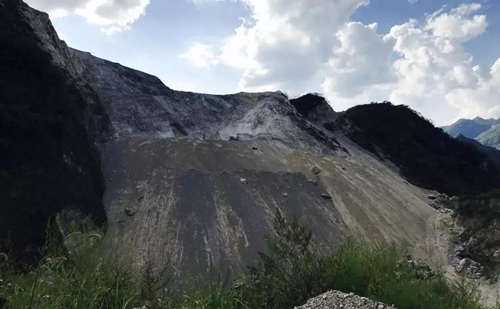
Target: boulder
[(316, 170), (326, 196)]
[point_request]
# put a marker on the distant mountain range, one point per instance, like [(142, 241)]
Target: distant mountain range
[(491, 137), (485, 131)]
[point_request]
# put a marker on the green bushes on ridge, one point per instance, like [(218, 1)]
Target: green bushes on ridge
[(426, 156), (292, 271)]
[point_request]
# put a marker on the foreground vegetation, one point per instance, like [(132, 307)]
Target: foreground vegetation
[(292, 272)]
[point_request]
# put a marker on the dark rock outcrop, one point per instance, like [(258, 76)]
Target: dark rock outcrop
[(315, 108), (49, 124)]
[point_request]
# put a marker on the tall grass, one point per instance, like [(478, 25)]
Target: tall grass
[(291, 271)]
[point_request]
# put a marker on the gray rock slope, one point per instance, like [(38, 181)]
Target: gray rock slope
[(202, 199), (141, 105), (177, 187)]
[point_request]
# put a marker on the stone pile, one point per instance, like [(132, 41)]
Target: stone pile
[(339, 300), (462, 263), (438, 202)]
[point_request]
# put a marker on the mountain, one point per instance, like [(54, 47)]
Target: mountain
[(470, 128), (423, 154), (491, 137), (492, 153), (196, 178), (49, 124)]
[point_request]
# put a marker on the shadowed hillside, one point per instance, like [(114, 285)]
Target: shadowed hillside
[(49, 161), (425, 155), (492, 153)]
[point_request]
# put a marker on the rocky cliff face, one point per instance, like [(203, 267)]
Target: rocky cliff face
[(196, 178), (49, 122), (140, 105)]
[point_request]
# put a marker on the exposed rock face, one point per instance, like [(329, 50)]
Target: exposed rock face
[(140, 105), (49, 122)]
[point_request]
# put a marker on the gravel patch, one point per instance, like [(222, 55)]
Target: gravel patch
[(336, 299)]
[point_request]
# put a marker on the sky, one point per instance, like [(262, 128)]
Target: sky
[(440, 57)]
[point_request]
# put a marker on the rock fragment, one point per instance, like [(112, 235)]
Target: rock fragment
[(312, 180), (130, 212), (326, 196)]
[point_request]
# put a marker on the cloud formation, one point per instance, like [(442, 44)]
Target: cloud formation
[(112, 15), (201, 56), (300, 44)]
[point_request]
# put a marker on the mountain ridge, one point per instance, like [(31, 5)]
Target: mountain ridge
[(470, 128)]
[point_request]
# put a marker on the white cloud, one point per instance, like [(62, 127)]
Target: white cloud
[(413, 1), (300, 45), (458, 24), (360, 60), (201, 56), (434, 69), (112, 15), (286, 42)]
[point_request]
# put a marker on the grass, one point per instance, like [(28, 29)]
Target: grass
[(291, 272)]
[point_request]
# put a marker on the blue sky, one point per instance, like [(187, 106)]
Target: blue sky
[(440, 57)]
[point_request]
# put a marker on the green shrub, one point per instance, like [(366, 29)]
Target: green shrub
[(292, 271)]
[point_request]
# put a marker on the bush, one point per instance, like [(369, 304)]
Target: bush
[(292, 271)]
